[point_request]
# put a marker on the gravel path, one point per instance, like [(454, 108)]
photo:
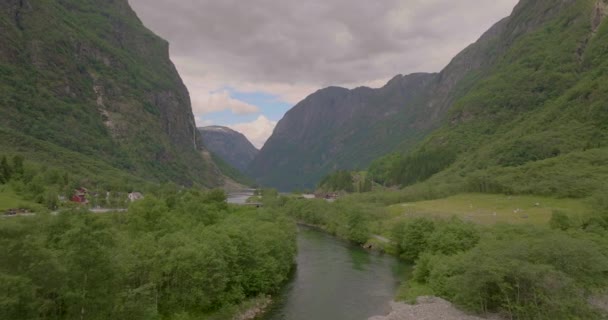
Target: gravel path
[(427, 308)]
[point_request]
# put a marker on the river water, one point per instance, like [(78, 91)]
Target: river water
[(334, 280), (240, 197)]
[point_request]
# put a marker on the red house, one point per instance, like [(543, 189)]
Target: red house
[(80, 196)]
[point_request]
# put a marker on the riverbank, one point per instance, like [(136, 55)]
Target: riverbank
[(427, 308), (255, 309)]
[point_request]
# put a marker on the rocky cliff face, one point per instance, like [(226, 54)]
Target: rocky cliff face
[(231, 146), (87, 76)]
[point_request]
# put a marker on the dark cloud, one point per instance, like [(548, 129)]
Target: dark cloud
[(319, 41)]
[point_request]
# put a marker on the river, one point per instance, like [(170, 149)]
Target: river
[(240, 197), (334, 280)]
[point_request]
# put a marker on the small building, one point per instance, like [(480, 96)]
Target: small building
[(134, 196), (80, 196)]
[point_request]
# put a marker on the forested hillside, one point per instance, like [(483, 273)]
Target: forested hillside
[(84, 82), (536, 121)]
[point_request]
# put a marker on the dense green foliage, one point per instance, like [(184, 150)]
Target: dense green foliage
[(340, 180), (179, 255), (347, 221), (525, 273), (346, 181), (395, 169)]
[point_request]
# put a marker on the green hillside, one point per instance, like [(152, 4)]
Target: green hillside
[(534, 122), (86, 87)]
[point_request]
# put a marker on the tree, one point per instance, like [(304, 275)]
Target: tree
[(87, 249), (18, 167), (367, 185), (414, 237), (5, 170)]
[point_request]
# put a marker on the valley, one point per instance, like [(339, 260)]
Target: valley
[(478, 191)]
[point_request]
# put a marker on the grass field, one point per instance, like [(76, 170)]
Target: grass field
[(488, 209), (10, 200)]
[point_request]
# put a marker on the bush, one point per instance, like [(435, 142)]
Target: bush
[(453, 236), (413, 238), (523, 273), (560, 221)]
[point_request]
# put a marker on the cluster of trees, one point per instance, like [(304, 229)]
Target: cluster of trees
[(39, 185), (13, 169), (343, 180), (175, 255), (416, 167), (345, 220)]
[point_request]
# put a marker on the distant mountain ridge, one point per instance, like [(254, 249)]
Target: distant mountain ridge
[(337, 128), (231, 146), (86, 79)]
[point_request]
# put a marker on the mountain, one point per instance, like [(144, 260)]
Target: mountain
[(231, 146), (531, 88), (85, 86), (337, 128), (536, 119)]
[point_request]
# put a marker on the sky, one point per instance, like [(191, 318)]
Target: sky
[(246, 63)]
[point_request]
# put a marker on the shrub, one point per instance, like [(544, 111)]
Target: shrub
[(560, 221)]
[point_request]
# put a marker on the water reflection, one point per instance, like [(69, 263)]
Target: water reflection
[(360, 259)]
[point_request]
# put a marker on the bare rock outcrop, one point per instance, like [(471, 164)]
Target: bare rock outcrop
[(427, 308)]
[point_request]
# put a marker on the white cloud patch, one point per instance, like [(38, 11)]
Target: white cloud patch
[(202, 122), (205, 102), (257, 131)]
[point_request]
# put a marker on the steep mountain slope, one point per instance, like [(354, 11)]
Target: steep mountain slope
[(87, 77), (231, 146), (336, 128), (536, 121)]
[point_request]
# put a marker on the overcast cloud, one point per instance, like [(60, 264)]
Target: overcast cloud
[(290, 48)]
